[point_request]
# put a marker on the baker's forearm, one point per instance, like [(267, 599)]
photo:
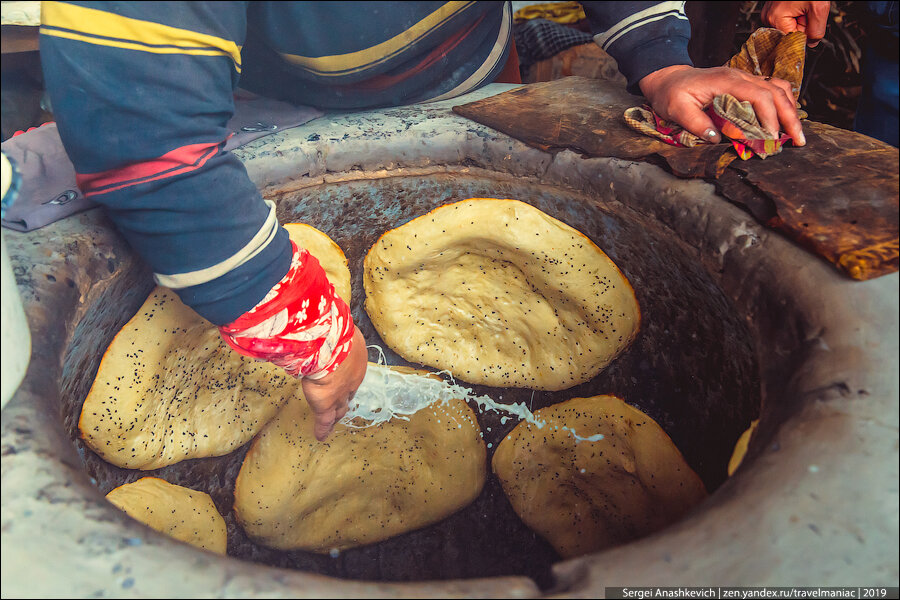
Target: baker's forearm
[(643, 37), (142, 93)]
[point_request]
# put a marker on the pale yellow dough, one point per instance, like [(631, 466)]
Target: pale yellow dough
[(585, 496), (499, 293), (359, 486), (170, 389), (330, 255), (740, 448), (179, 512)]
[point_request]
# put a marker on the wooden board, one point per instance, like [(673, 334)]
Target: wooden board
[(836, 196)]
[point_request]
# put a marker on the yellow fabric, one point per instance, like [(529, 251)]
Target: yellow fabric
[(742, 121), (641, 119), (558, 12), (353, 62), (107, 29), (771, 53)]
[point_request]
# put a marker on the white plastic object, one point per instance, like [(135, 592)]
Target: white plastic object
[(15, 350)]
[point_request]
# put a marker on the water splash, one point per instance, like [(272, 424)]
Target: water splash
[(387, 394)]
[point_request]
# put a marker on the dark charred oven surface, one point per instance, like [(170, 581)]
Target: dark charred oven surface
[(692, 368)]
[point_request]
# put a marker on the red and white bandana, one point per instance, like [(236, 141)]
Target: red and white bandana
[(301, 325)]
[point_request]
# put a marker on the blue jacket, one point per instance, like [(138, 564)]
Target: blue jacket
[(142, 91)]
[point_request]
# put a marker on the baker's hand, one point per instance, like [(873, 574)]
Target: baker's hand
[(303, 326), (808, 17), (680, 92), (328, 397)]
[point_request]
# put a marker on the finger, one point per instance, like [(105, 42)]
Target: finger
[(695, 120), (786, 107), (786, 24), (763, 101), (817, 21), (785, 87), (766, 13), (341, 408), (324, 423)]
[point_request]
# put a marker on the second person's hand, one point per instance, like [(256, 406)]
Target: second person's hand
[(809, 17)]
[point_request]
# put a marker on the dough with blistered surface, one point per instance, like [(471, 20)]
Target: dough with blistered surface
[(584, 496), (501, 294), (359, 486), (169, 388)]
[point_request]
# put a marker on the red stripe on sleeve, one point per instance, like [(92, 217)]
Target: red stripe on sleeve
[(177, 162), (380, 82)]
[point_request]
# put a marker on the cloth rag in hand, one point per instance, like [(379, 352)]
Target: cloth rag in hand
[(767, 53)]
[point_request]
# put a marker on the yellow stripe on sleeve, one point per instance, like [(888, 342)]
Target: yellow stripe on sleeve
[(101, 28), (353, 62)]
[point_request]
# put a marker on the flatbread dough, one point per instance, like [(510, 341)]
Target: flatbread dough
[(179, 512), (740, 448), (170, 389), (500, 294), (584, 496), (359, 486), (330, 255)]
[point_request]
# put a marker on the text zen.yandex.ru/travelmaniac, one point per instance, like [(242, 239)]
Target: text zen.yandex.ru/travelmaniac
[(748, 593)]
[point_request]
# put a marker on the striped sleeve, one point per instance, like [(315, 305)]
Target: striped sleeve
[(142, 92), (643, 37)]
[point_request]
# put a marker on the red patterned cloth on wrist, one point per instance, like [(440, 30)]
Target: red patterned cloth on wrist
[(301, 325)]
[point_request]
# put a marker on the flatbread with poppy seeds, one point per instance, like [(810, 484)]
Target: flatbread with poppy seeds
[(329, 254), (584, 496), (501, 294), (359, 486), (169, 388), (179, 512)]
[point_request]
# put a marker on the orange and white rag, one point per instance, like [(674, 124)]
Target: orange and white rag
[(301, 325), (767, 53)]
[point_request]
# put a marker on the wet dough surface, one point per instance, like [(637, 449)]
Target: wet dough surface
[(359, 486), (585, 496)]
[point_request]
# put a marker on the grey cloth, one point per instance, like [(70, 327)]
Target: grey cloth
[(256, 116), (48, 190)]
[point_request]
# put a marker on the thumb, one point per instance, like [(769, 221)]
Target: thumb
[(815, 27), (324, 423), (786, 24), (697, 122)]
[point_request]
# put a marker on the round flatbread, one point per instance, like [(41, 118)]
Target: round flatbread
[(584, 496), (169, 388), (359, 486), (179, 512), (501, 294)]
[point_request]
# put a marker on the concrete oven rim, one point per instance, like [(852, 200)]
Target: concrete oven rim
[(816, 439)]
